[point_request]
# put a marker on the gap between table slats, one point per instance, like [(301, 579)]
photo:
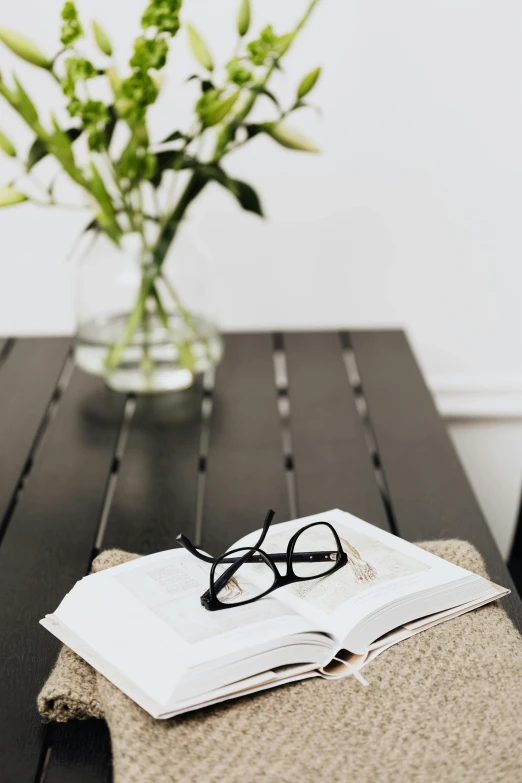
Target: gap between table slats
[(332, 465), (245, 467), (155, 497)]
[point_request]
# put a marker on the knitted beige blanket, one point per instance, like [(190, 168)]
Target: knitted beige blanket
[(443, 706)]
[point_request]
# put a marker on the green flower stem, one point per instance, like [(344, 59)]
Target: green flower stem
[(186, 354), (126, 208), (140, 317), (147, 363), (169, 230), (173, 182), (186, 316), (135, 320)]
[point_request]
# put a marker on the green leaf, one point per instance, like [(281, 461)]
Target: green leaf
[(212, 112), (106, 218), (206, 84), (101, 39), (243, 18), (7, 146), (283, 43), (93, 225), (253, 129), (24, 48), (36, 153), (110, 227), (10, 196), (111, 124), (100, 191), (169, 160), (62, 143), (24, 105), (245, 194), (60, 146), (199, 49), (114, 81), (39, 149), (259, 89), (300, 104), (289, 137), (308, 83), (174, 136)]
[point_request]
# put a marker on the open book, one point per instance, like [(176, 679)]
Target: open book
[(141, 624)]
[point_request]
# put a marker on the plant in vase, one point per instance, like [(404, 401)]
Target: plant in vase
[(140, 189)]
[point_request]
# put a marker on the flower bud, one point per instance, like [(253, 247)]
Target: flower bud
[(24, 48), (289, 137)]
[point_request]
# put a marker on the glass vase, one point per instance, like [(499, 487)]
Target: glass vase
[(145, 330)]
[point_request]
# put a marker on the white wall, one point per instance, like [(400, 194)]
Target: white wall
[(411, 216)]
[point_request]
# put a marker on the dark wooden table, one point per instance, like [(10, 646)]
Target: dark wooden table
[(300, 422)]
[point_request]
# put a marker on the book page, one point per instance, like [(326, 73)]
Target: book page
[(171, 588), (371, 563), (381, 569)]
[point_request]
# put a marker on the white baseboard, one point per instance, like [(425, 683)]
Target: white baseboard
[(477, 397)]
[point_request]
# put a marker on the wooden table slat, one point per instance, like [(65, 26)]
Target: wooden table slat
[(28, 378), (155, 496), (332, 464), (245, 468), (155, 499), (430, 495), (46, 549)]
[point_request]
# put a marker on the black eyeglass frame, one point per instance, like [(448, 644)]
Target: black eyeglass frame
[(254, 554)]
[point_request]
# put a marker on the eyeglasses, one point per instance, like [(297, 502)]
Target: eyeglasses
[(313, 551)]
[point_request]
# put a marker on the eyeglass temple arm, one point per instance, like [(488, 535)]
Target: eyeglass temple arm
[(277, 557), (189, 546), (266, 524), (282, 557)]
